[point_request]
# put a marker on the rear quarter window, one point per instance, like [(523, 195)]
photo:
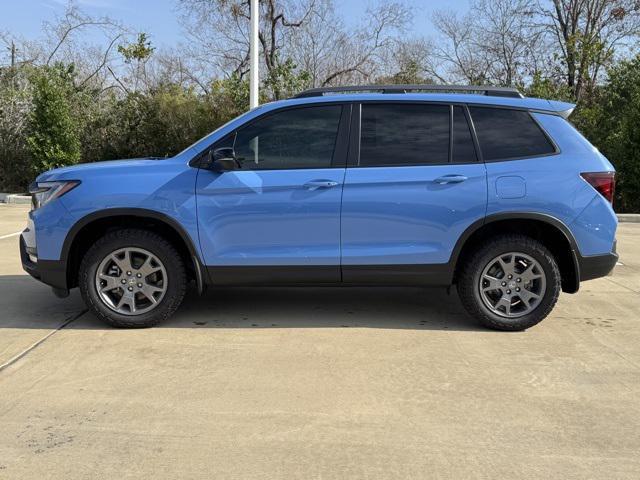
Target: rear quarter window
[(505, 134)]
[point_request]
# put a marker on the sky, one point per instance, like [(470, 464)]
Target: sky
[(159, 17)]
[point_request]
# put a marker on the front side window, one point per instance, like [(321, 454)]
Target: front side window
[(404, 134), (290, 139), (504, 134)]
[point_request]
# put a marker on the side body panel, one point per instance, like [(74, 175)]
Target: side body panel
[(165, 187), (270, 218), (552, 185), (401, 216)]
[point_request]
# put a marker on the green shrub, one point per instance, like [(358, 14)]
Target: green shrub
[(53, 139)]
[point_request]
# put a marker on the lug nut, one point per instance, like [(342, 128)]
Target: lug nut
[(130, 289), (139, 275), (509, 277), (518, 279), (508, 292), (128, 273), (139, 285), (517, 289), (504, 284), (123, 281)]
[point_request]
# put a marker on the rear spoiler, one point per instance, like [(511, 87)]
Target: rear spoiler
[(563, 109)]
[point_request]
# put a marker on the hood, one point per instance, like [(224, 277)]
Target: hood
[(74, 172)]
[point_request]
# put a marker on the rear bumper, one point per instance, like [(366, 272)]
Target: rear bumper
[(596, 266), (51, 272)]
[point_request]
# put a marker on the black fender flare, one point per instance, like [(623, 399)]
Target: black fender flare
[(542, 217), (142, 213)]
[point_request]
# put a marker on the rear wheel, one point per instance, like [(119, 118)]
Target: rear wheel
[(132, 278), (512, 282)]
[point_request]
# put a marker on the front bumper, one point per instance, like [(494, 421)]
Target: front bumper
[(596, 266), (51, 272)]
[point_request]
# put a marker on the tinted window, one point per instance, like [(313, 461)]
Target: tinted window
[(299, 138), (404, 134), (508, 134), (463, 149)]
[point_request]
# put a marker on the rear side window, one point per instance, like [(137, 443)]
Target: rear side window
[(504, 134), (404, 134)]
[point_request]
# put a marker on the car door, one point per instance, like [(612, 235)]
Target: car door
[(277, 217), (413, 186)]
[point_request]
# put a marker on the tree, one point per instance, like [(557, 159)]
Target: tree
[(459, 59), (611, 123), (15, 105), (409, 63), (496, 42), (53, 131), (285, 80), (220, 37), (303, 35), (136, 55), (335, 54), (549, 88), (586, 34)]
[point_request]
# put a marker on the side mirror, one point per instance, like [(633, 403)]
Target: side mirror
[(223, 160)]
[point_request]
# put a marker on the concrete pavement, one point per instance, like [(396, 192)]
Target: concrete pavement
[(320, 383)]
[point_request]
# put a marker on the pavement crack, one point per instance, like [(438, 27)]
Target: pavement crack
[(25, 352), (620, 285)]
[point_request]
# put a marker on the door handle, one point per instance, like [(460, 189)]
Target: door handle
[(316, 184), (446, 179)]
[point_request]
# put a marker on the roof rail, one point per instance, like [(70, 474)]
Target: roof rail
[(483, 90)]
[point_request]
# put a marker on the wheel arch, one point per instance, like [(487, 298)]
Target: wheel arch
[(552, 232), (90, 227)]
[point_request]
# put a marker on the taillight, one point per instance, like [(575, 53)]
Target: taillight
[(603, 182)]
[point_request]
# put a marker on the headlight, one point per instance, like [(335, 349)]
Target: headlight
[(43, 192)]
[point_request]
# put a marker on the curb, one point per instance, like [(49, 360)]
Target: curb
[(629, 217), (14, 198)]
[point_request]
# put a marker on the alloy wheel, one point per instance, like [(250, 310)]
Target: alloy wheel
[(131, 281), (512, 284)]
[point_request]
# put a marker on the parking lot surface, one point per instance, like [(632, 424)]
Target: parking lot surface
[(358, 383)]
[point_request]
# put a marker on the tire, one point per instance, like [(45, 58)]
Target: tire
[(167, 282), (516, 253)]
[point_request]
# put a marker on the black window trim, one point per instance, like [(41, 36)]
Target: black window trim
[(347, 150), (340, 149), (451, 135), (474, 134), (472, 131), (353, 156), (356, 138)]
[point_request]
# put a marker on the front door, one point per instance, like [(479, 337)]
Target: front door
[(277, 218), (414, 188)]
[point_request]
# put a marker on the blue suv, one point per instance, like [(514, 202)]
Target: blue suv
[(476, 187)]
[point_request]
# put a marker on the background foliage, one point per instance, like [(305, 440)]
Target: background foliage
[(67, 97)]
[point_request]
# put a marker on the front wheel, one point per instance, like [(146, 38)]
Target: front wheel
[(512, 282), (132, 278)]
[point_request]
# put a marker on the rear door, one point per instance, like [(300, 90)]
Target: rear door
[(277, 218), (413, 186)]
